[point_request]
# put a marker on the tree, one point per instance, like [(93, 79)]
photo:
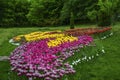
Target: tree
[(71, 20), (105, 11), (13, 12), (2, 6), (45, 12), (7, 14), (21, 9), (68, 12), (78, 8)]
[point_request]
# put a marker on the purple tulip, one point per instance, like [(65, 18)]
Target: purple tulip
[(36, 59)]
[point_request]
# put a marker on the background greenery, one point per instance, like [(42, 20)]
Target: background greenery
[(57, 12)]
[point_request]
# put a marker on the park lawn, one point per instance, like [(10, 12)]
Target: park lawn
[(7, 33), (104, 67)]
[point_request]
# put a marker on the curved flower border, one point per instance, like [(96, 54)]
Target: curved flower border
[(13, 43), (87, 58), (102, 38), (36, 59)]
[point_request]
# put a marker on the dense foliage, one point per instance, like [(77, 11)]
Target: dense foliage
[(57, 12), (45, 12), (106, 12), (13, 12)]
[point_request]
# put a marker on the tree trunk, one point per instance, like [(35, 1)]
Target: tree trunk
[(72, 20)]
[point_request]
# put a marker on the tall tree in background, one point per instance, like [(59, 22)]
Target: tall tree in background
[(77, 10), (21, 9), (68, 12), (115, 10), (105, 12), (53, 12), (45, 12), (13, 12), (2, 10), (7, 13)]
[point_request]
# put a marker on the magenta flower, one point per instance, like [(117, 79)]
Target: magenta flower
[(36, 59)]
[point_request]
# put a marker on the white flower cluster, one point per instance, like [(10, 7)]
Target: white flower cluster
[(104, 37), (87, 58), (13, 43)]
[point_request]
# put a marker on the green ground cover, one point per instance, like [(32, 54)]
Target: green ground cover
[(104, 67)]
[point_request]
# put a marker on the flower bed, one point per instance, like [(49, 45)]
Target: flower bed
[(57, 34), (44, 54), (43, 59), (86, 31), (37, 36)]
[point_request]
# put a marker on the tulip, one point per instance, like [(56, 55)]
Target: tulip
[(37, 59)]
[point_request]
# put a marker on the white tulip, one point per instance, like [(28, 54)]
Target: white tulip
[(103, 51), (92, 56), (89, 58), (97, 54)]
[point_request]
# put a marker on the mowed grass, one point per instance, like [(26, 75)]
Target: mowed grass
[(7, 33), (104, 67)]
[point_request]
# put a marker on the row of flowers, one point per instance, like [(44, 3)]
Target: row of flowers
[(43, 60), (57, 34), (61, 40), (38, 36), (44, 54), (87, 58), (86, 31)]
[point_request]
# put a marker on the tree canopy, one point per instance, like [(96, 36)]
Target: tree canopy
[(57, 12)]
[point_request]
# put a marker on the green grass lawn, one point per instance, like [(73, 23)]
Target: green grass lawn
[(104, 67), (7, 33)]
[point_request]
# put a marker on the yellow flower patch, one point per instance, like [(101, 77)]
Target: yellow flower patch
[(37, 36), (60, 40), (41, 36), (17, 38)]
